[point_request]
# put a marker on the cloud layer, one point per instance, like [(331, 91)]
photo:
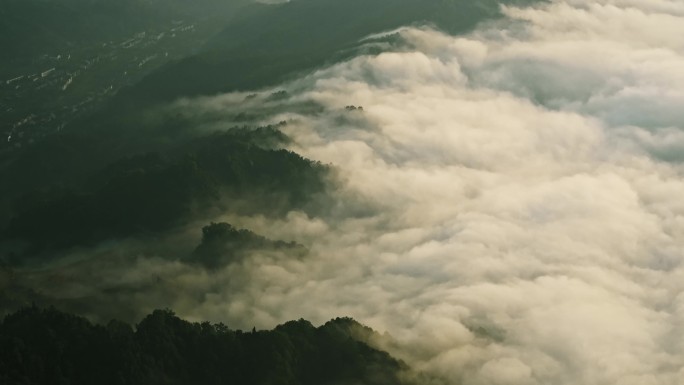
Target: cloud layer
[(522, 185)]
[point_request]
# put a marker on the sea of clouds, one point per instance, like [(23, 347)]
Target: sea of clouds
[(511, 204)]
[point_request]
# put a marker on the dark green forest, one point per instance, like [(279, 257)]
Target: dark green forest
[(145, 194), (222, 244), (46, 346)]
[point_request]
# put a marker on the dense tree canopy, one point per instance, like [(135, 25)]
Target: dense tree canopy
[(46, 346), (152, 192), (222, 243)]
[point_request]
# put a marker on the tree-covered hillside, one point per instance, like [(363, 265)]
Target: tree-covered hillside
[(267, 44), (46, 346), (240, 171)]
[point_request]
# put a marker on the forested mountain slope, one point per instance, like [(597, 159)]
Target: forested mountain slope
[(47, 346)]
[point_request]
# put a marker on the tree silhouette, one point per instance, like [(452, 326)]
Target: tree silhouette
[(46, 346)]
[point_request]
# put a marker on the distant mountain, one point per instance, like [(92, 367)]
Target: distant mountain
[(268, 43), (62, 59), (49, 26)]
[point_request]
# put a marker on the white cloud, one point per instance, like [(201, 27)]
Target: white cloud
[(529, 182)]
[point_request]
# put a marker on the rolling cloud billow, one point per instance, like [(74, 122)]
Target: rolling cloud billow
[(516, 196), (508, 205)]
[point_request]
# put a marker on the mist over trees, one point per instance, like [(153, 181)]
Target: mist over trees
[(222, 243), (152, 192), (119, 200)]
